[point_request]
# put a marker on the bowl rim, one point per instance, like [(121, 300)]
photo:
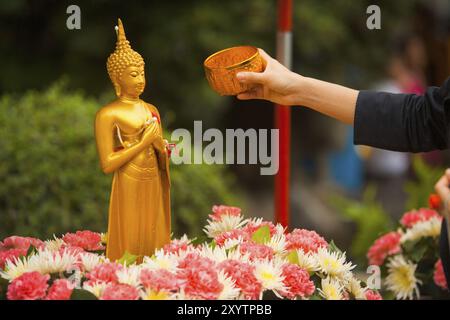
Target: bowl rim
[(233, 66)]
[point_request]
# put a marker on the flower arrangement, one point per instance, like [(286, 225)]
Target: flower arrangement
[(409, 257), (243, 259)]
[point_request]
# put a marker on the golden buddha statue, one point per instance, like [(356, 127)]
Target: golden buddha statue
[(129, 141)]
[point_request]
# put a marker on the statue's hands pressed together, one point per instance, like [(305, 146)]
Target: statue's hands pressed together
[(151, 134)]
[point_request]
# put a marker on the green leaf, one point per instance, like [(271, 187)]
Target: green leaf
[(292, 257), (31, 250), (262, 235), (127, 258), (333, 247), (81, 294), (212, 244)]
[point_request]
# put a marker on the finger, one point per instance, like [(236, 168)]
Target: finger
[(264, 55), (447, 173), (442, 188), (255, 93), (251, 77)]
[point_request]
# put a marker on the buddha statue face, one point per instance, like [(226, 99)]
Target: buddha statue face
[(131, 82)]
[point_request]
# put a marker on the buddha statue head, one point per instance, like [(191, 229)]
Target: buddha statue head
[(126, 67)]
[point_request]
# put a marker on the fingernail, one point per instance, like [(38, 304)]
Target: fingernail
[(240, 76)]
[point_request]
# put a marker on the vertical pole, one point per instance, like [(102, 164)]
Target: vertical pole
[(283, 116)]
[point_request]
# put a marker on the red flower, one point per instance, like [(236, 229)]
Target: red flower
[(242, 274), (160, 280), (11, 254), (219, 211), (86, 240), (412, 217), (439, 276), (251, 227), (308, 241), (434, 201), (256, 250), (120, 292), (16, 242), (28, 286), (61, 289), (231, 235), (373, 295), (297, 282), (105, 272), (384, 246)]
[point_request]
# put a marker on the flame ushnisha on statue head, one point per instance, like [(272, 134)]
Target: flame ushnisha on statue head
[(122, 57)]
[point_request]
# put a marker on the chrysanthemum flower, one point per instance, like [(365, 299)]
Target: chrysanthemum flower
[(401, 279), (331, 289), (428, 228), (270, 274), (386, 245), (333, 264), (226, 223), (162, 260), (306, 261), (229, 290), (129, 275)]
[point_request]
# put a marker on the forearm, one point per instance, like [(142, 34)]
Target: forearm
[(117, 159), (330, 99)]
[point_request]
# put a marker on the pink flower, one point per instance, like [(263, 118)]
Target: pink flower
[(439, 276), (231, 235), (199, 277), (297, 282), (28, 286), (251, 227), (412, 217), (219, 211), (383, 247), (105, 272), (373, 295), (86, 240), (115, 291), (256, 250), (308, 241), (11, 254), (177, 246), (242, 274), (160, 280), (61, 289), (16, 242)]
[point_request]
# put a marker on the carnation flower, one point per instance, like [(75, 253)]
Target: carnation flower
[(229, 290), (160, 280), (333, 264), (178, 246), (439, 276), (220, 211), (87, 240), (412, 217), (401, 278), (254, 224), (428, 228), (243, 275), (106, 272), (256, 250), (373, 295), (308, 241), (386, 245), (115, 291), (331, 289), (297, 282), (11, 254), (16, 242), (61, 289), (236, 234), (28, 286)]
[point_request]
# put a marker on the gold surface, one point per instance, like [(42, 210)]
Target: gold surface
[(221, 68), (130, 145)]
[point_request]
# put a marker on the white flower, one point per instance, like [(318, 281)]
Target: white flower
[(220, 254), (354, 287), (15, 268), (429, 228), (54, 244), (279, 229), (333, 264), (96, 288), (277, 243), (269, 273), (149, 294), (231, 243), (229, 291), (46, 261), (401, 278), (129, 275), (331, 289), (90, 260), (161, 260), (226, 223), (306, 261)]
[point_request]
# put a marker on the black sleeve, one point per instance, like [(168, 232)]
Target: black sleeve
[(404, 122)]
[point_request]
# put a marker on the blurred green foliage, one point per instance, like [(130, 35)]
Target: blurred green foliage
[(419, 189), (370, 219), (51, 179)]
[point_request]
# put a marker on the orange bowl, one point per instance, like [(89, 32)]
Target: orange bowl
[(221, 68)]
